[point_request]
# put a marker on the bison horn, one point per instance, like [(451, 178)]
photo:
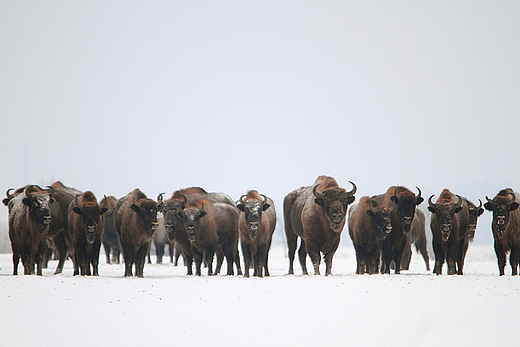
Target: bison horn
[(265, 199), (419, 195), (459, 201), (242, 200), (160, 198), (430, 203), (489, 200), (7, 194), (513, 197), (480, 205), (201, 206), (316, 194), (184, 199), (354, 189)]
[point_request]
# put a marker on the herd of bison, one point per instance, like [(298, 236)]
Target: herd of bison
[(202, 225)]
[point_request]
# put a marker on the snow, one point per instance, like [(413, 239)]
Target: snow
[(166, 307)]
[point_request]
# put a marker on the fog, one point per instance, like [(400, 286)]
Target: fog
[(232, 96)]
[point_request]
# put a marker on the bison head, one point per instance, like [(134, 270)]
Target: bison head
[(39, 202), (191, 217), (445, 214), (90, 213), (253, 209), (334, 203), (501, 206), (380, 218), (171, 209), (146, 210), (474, 213), (405, 202)]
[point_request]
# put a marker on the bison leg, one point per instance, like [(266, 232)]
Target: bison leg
[(197, 257), (314, 254), (513, 260), (246, 250), (94, 259), (260, 260), (140, 259), (209, 260), (292, 241), (407, 256), (220, 260), (16, 261), (463, 248), (61, 246), (128, 256), (302, 256), (501, 258), (421, 247), (107, 248)]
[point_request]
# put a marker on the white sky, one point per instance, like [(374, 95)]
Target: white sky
[(263, 95)]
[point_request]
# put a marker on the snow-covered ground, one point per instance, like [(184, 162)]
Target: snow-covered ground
[(168, 308)]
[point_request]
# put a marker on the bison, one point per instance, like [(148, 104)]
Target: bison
[(316, 214), (447, 230), (256, 224), (402, 203), (109, 238), (174, 223), (85, 230), (368, 224), (59, 227), (416, 237), (136, 221), (209, 226), (29, 220), (506, 228)]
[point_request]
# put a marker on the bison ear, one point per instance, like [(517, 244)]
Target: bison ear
[(6, 201), (458, 209), (394, 200), (351, 199), (103, 210), (134, 207), (319, 202), (431, 209), (488, 206), (76, 210), (202, 213), (240, 207), (419, 200), (514, 206), (265, 207), (480, 211)]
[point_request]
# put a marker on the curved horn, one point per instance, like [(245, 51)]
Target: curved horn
[(459, 202), (419, 195), (265, 199), (160, 198), (480, 205), (513, 195), (201, 206), (185, 200), (354, 189), (9, 196), (430, 203), (489, 200), (316, 194), (242, 199)]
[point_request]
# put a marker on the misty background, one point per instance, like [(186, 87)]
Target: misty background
[(265, 95)]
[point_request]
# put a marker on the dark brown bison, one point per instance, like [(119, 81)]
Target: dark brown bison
[(109, 238), (29, 220), (416, 237), (136, 221), (256, 224), (85, 230), (402, 203), (316, 214), (368, 224), (59, 227), (174, 223), (160, 241), (447, 226), (474, 212), (506, 228), (209, 226)]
